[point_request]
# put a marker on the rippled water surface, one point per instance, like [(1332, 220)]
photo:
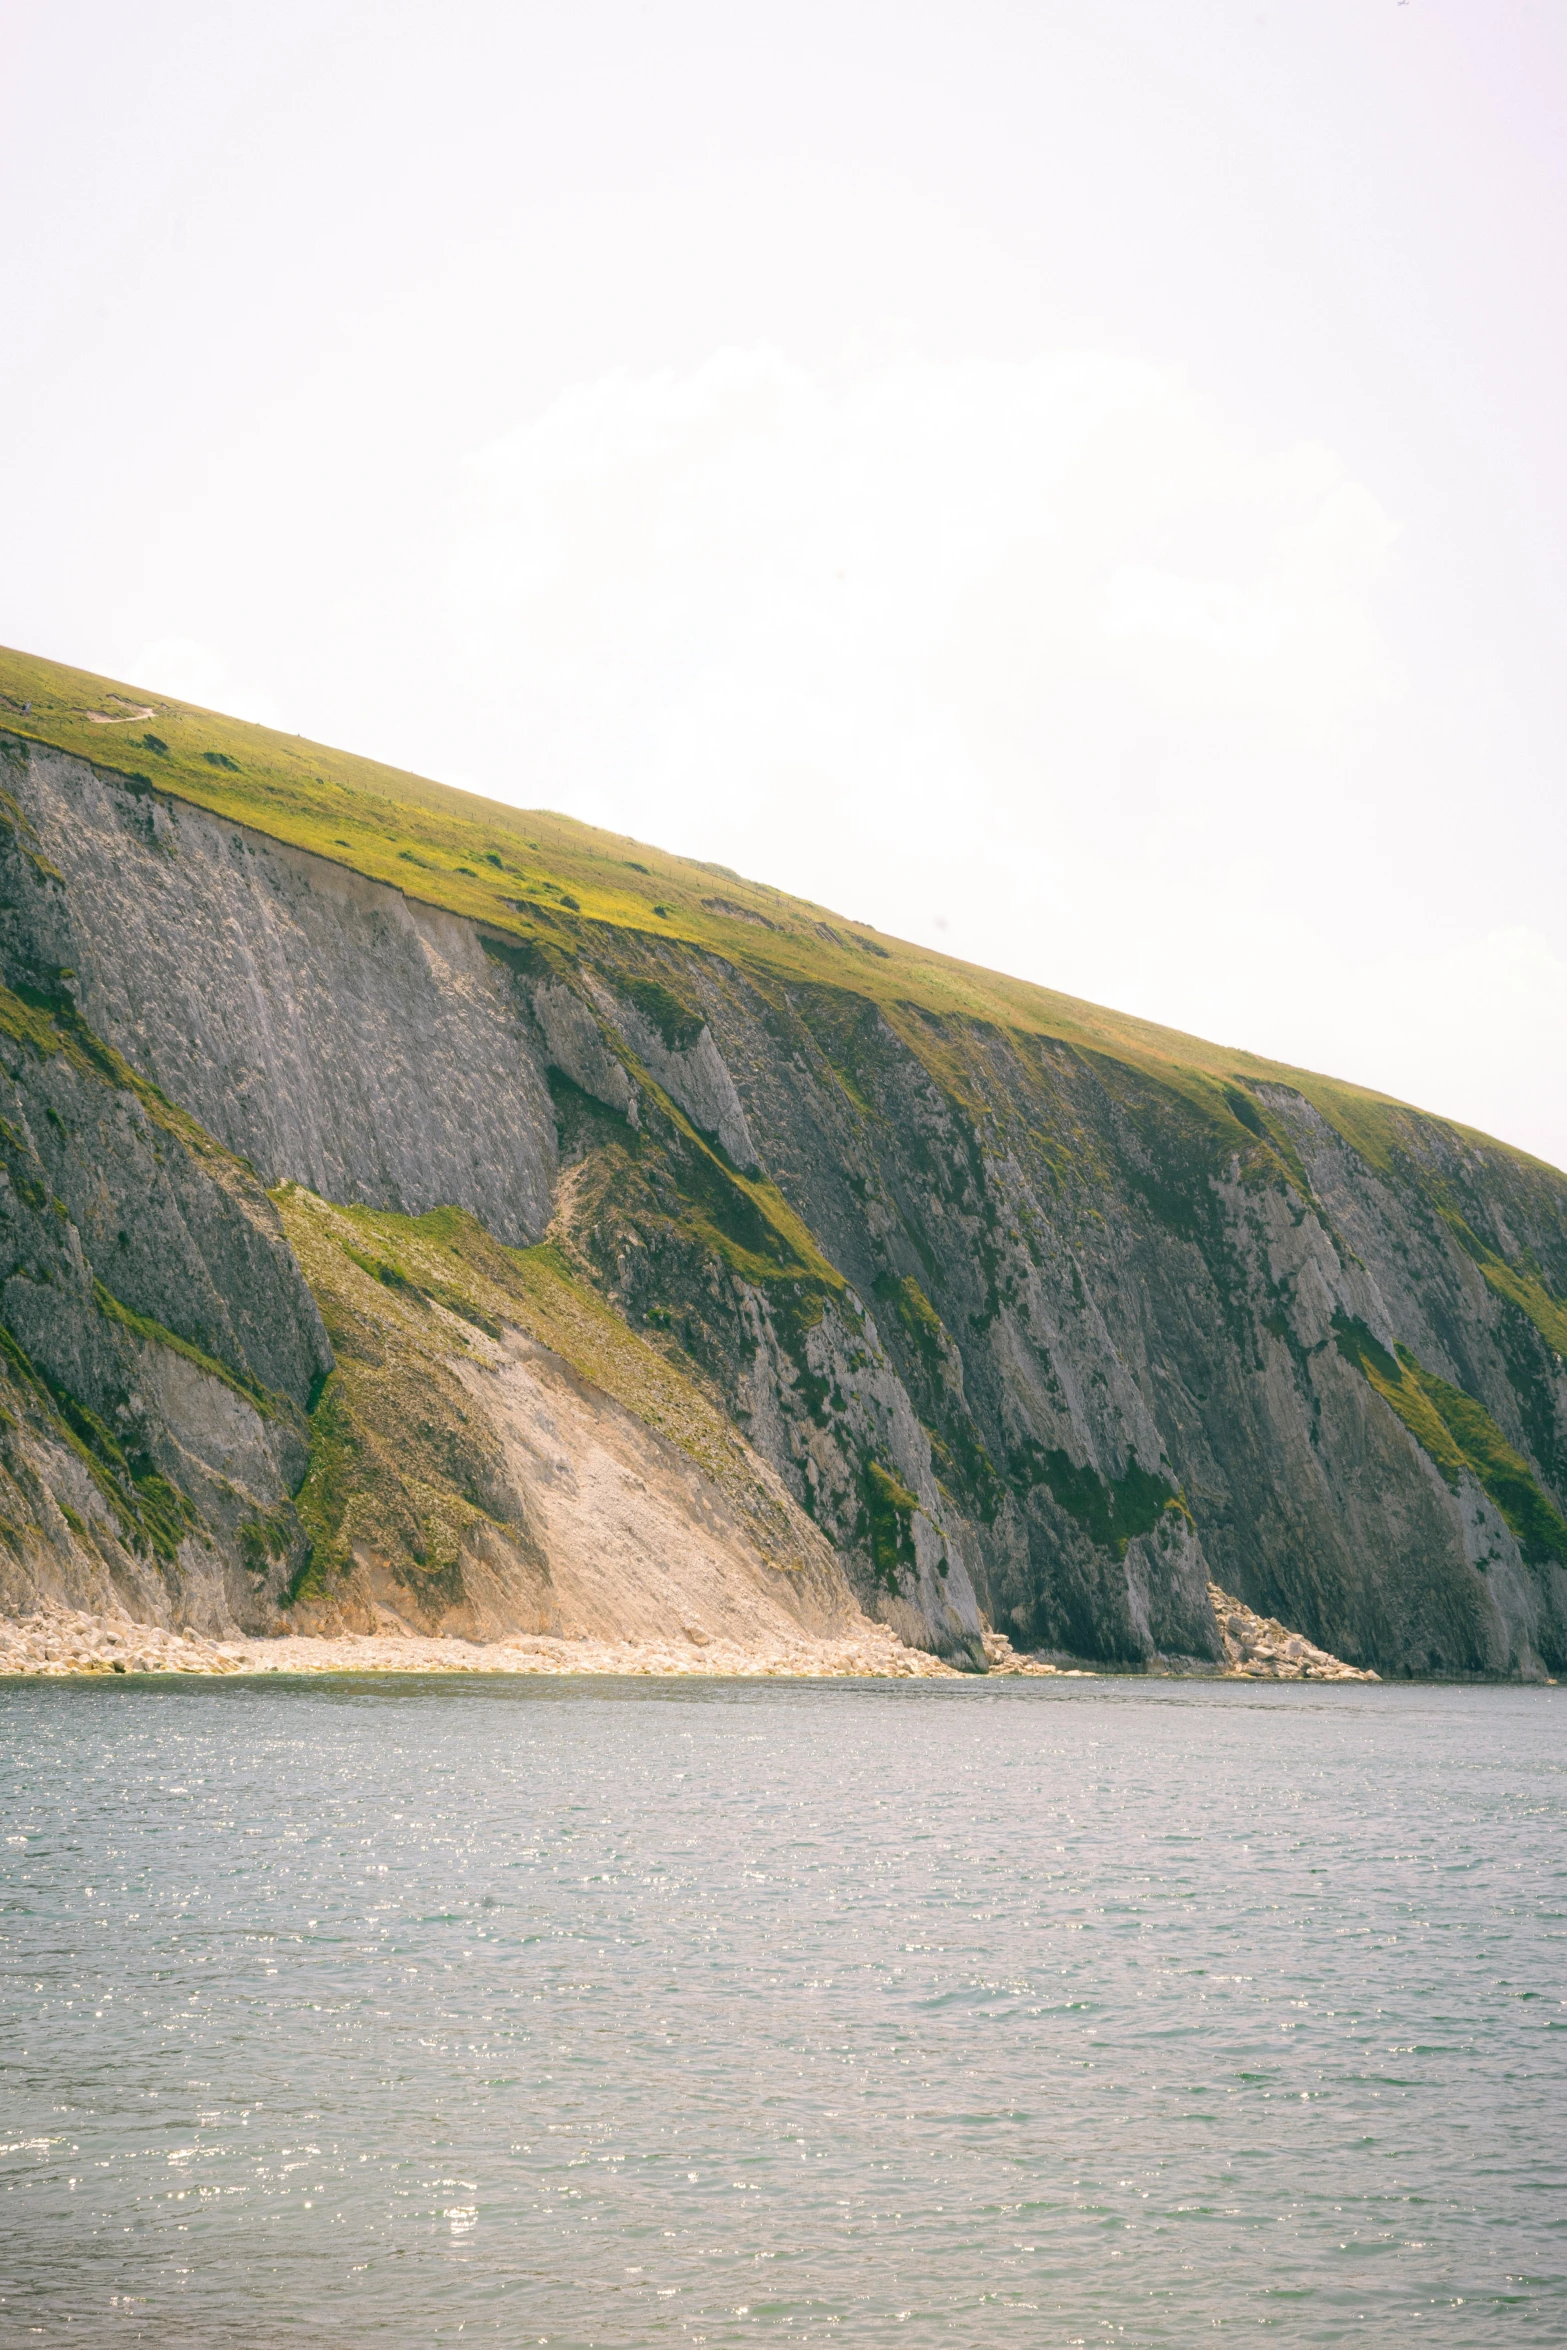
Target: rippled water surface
[(626, 2013)]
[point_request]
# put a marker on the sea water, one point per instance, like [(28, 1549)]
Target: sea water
[(404, 2012)]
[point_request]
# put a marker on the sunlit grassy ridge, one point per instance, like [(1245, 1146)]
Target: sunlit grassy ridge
[(533, 875)]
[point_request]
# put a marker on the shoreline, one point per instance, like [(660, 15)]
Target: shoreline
[(56, 1642), (61, 1643)]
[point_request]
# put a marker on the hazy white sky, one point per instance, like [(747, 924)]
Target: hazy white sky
[(1082, 484)]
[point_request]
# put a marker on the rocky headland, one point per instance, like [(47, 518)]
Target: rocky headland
[(423, 1220)]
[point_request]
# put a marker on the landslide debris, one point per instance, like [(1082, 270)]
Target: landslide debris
[(55, 1643), (1260, 1648)]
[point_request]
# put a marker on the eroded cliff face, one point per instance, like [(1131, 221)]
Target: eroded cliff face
[(1141, 1343), (161, 1348), (1027, 1333), (320, 1025)]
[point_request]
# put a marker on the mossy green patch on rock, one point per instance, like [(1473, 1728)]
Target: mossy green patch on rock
[(888, 1525), (153, 1333), (1404, 1391), (1507, 1478), (150, 1513), (338, 1471), (918, 1317), (1522, 1287), (1461, 1437), (267, 1540), (675, 1022), (529, 958), (1112, 1512)]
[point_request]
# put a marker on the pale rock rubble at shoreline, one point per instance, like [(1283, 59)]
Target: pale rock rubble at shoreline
[(1260, 1648), (1002, 1657), (57, 1642), (874, 1653)]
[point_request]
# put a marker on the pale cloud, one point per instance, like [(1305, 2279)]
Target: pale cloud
[(1474, 1026), (925, 582), (189, 671)]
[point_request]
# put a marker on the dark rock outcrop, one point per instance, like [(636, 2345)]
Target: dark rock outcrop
[(160, 1345)]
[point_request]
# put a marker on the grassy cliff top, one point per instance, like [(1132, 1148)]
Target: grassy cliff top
[(529, 873)]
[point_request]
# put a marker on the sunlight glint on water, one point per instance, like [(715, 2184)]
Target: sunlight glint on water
[(628, 2014)]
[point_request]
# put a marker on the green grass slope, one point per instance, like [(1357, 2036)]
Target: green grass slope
[(537, 876)]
